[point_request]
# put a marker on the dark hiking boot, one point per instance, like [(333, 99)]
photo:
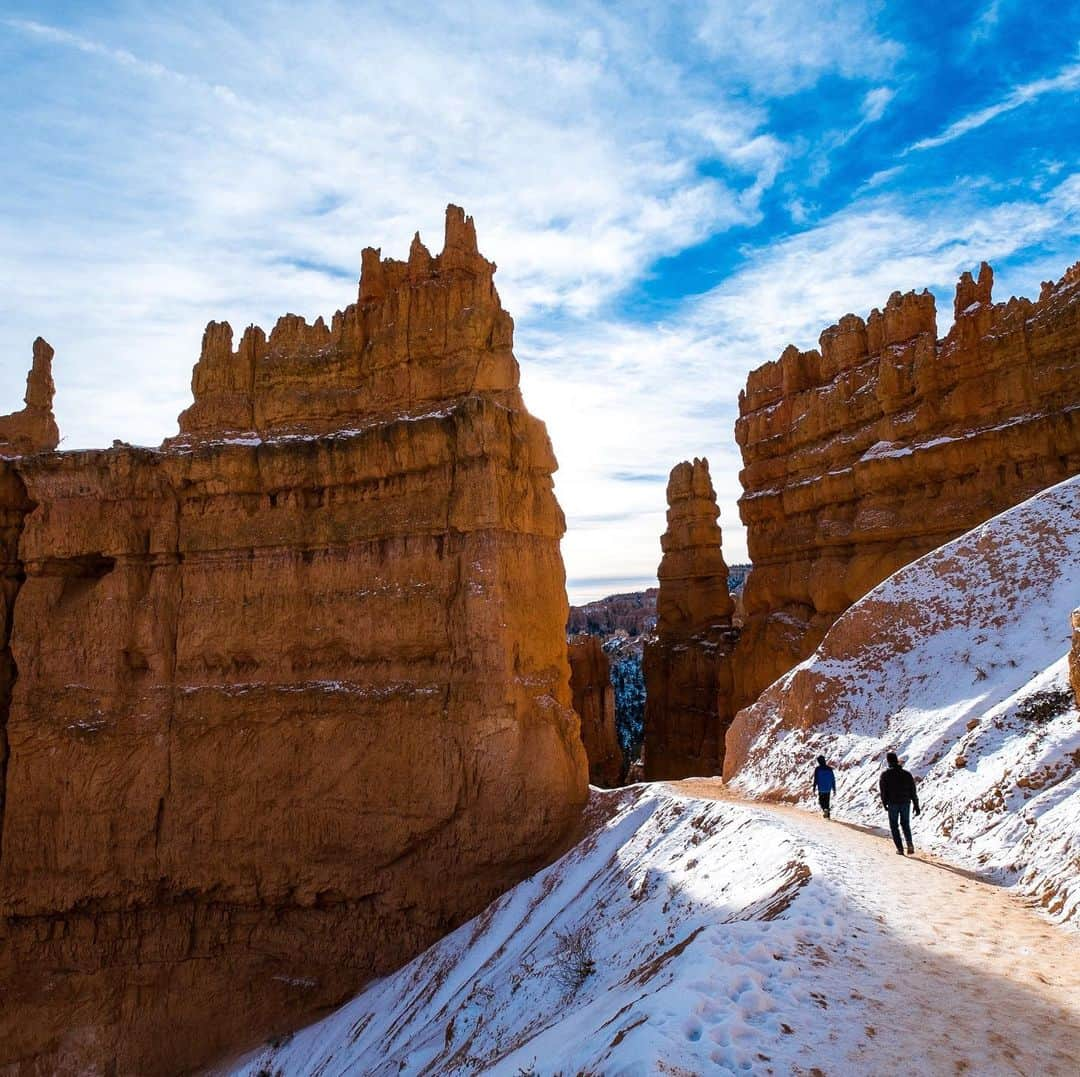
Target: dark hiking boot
[(910, 849), (899, 851), (828, 814)]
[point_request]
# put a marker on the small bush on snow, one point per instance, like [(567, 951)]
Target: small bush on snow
[(574, 962)]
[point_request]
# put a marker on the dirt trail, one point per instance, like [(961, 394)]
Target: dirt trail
[(949, 973)]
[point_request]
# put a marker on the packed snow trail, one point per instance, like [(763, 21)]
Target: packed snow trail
[(946, 973), (721, 936)]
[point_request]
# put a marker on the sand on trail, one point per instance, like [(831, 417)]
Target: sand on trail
[(945, 972)]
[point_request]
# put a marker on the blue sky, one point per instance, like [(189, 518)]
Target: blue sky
[(672, 193)]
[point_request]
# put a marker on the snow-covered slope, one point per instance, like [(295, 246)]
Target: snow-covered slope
[(596, 963), (957, 662), (685, 936)]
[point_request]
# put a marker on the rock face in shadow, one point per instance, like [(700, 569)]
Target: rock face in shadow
[(33, 429), (594, 702), (688, 672), (887, 442), (289, 696)]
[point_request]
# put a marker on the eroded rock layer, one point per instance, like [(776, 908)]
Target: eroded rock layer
[(633, 613), (281, 716), (885, 443), (33, 428), (594, 701), (688, 673)]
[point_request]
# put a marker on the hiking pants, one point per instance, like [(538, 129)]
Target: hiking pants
[(823, 800), (900, 816)]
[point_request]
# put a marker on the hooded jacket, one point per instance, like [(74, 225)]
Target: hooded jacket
[(824, 779), (898, 787)]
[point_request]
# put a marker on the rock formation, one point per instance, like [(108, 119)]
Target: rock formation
[(33, 429), (281, 716), (633, 613), (688, 671), (885, 443), (594, 701), (1074, 657)]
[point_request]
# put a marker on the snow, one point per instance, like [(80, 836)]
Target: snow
[(689, 932), (672, 897), (958, 662), (716, 937)]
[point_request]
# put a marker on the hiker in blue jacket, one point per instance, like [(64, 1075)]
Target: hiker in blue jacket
[(824, 784)]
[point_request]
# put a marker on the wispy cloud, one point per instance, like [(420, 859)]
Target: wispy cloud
[(640, 391), (876, 102), (175, 164), (780, 48), (1068, 78)]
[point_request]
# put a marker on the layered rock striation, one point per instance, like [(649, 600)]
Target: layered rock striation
[(886, 442), (281, 717), (594, 701), (687, 665)]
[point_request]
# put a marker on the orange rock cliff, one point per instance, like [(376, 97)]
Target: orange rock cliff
[(594, 702), (887, 442), (687, 663), (275, 715)]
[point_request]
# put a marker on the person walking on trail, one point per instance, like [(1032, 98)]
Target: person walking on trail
[(898, 796), (824, 785)]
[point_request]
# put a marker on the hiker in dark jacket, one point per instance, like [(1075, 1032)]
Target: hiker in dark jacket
[(824, 784), (898, 796)]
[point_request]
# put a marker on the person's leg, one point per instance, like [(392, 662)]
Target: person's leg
[(823, 801), (828, 802), (905, 822), (894, 817)]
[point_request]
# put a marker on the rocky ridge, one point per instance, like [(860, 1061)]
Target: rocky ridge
[(886, 442), (277, 716), (687, 664), (633, 613)]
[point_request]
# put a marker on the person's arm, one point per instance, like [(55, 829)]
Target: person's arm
[(914, 795), (881, 790)]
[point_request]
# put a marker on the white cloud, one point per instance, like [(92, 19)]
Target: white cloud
[(1068, 78), (876, 102), (780, 48), (986, 22), (624, 400), (195, 166), (188, 166)]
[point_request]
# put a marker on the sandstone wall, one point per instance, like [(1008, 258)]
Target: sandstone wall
[(885, 443), (688, 672), (281, 717), (594, 702)]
